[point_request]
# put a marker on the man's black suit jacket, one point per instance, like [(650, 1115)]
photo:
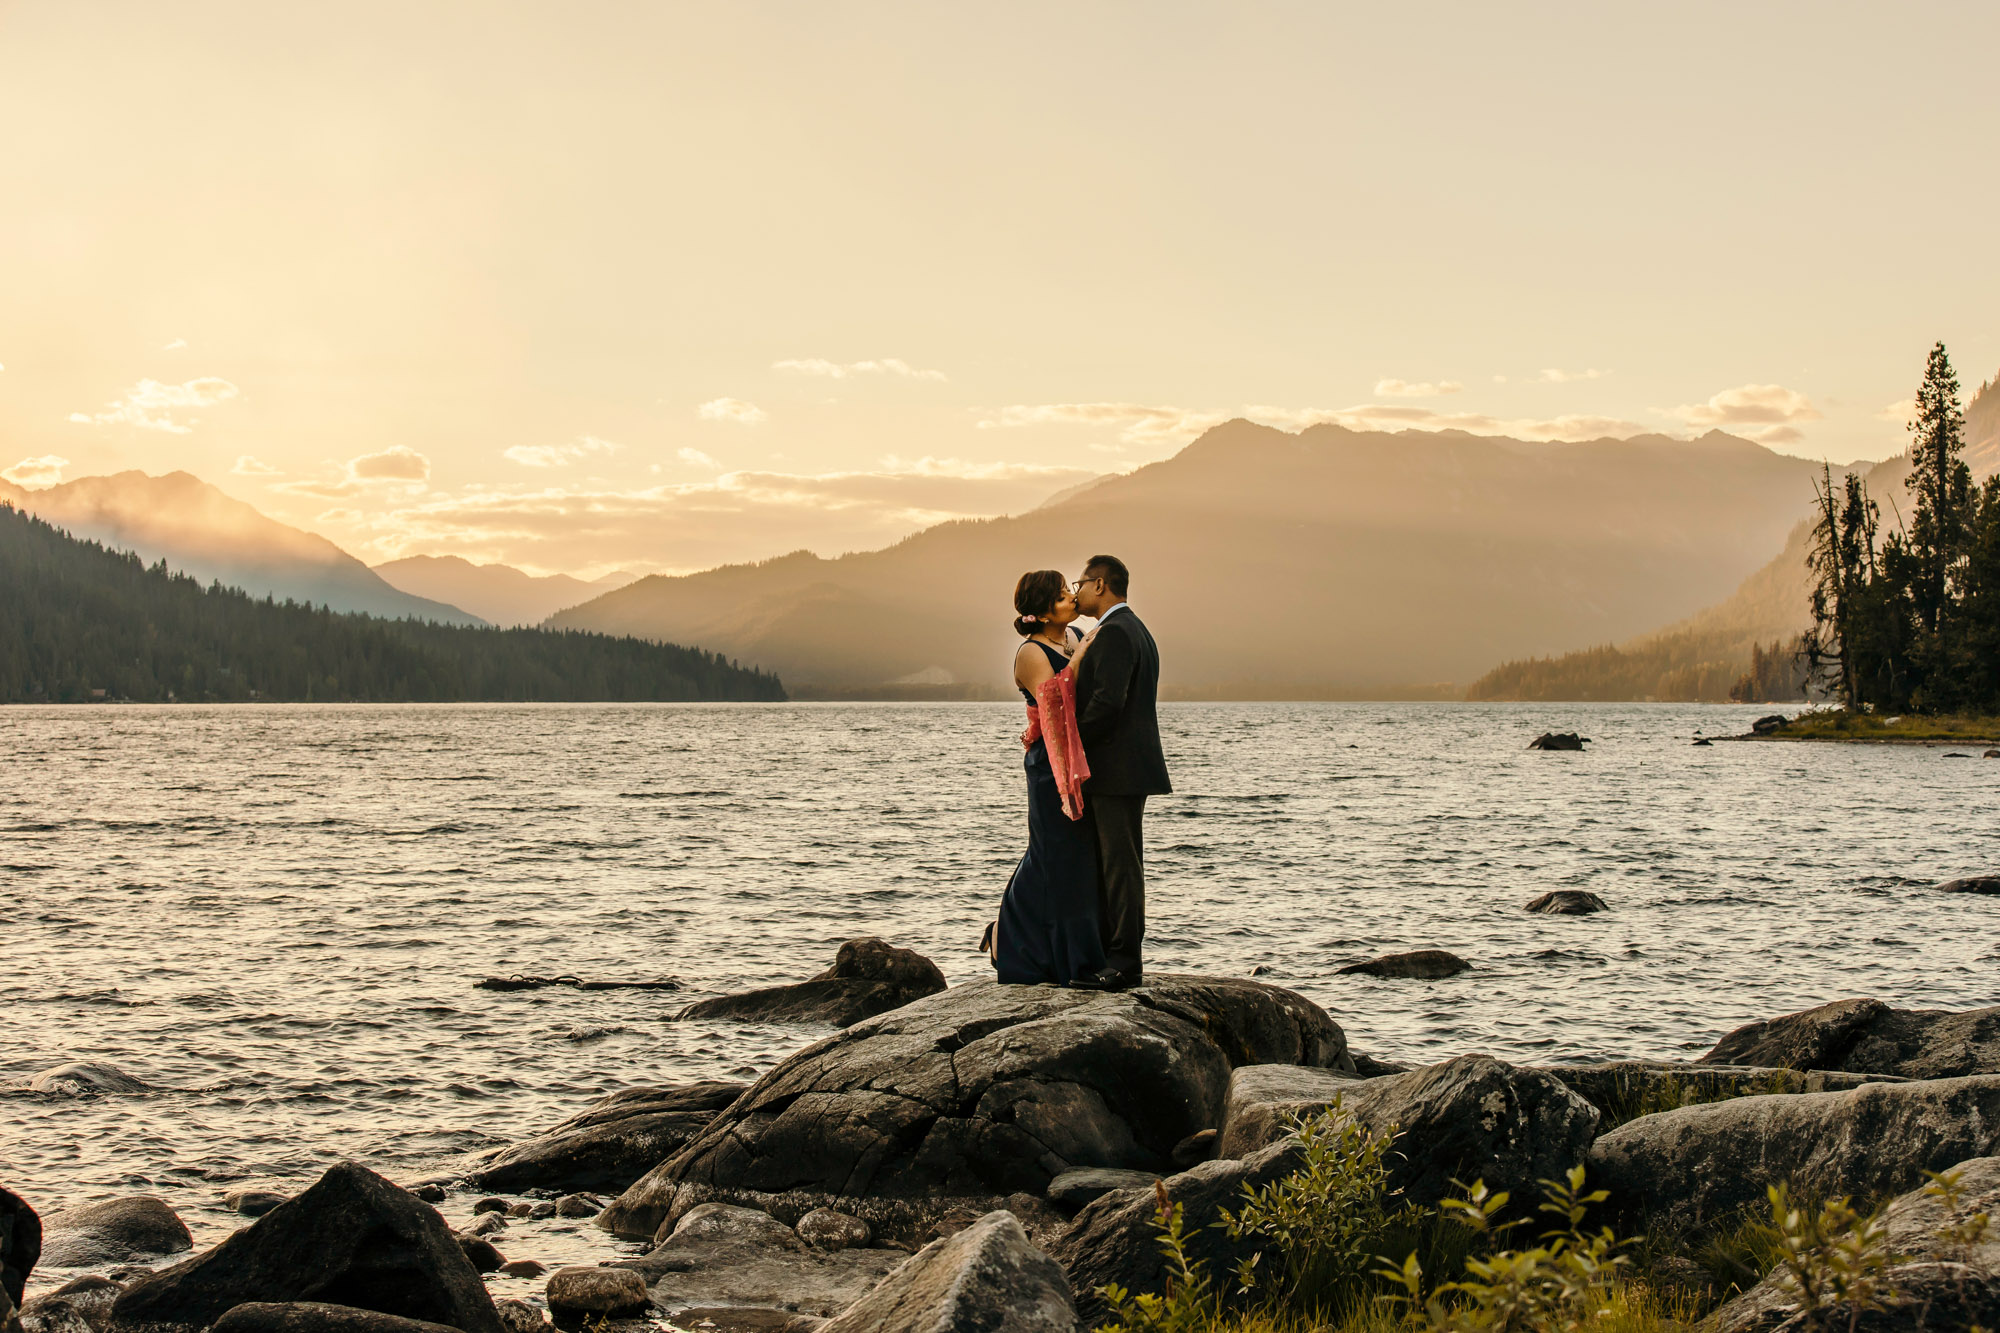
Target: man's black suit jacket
[(1117, 709)]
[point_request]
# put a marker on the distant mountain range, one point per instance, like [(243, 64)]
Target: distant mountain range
[(201, 532), (1700, 657), (497, 593), (1324, 564)]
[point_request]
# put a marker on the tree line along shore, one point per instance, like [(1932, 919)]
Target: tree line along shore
[(85, 624)]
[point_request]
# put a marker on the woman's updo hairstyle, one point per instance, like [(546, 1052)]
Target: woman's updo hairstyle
[(1035, 596)]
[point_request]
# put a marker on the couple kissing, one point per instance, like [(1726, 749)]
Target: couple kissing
[(1075, 910)]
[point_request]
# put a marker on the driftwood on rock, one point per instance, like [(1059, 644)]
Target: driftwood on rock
[(981, 1092)]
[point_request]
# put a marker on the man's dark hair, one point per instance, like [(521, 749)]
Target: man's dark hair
[(1112, 570)]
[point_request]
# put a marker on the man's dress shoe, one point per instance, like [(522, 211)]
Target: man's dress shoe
[(1107, 978)]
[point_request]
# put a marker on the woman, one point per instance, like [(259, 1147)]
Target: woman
[(1047, 931)]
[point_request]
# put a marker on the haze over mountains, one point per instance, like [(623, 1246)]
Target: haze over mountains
[(201, 532), (1328, 563), (497, 593)]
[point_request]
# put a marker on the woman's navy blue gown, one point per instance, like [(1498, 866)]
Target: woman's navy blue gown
[(1048, 921)]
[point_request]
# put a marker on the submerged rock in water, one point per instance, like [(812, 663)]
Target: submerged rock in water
[(317, 1317), (117, 1230), (610, 1143), (353, 1234), (1418, 965), (1677, 1170), (1558, 740), (86, 1078), (1864, 1036), (1566, 902), (253, 1203), (988, 1277), (981, 1092), (577, 1294), (1973, 883), (868, 977), (719, 1255)]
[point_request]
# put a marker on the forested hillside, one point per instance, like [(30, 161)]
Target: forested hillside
[(80, 622)]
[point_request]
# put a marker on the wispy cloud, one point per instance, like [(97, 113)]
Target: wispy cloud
[(1553, 376), (174, 346), (722, 519), (840, 370), (398, 467), (559, 455), (1136, 423), (731, 409), (46, 470), (1766, 413), (150, 405), (1394, 417), (1901, 412), (1415, 389), (247, 466), (698, 459)]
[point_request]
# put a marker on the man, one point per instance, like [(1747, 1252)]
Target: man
[(1117, 715)]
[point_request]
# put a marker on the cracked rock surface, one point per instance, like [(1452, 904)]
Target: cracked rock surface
[(981, 1092), (610, 1143), (1868, 1037)]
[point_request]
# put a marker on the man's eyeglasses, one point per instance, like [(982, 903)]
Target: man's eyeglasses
[(1078, 585)]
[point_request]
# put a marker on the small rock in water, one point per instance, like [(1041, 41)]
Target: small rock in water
[(487, 1224), (112, 1232), (1196, 1147), (1991, 754), (253, 1203), (1956, 754), (1764, 726), (489, 1206), (521, 1317), (1703, 740), (86, 1078), (1558, 740), (521, 1209), (1567, 902), (429, 1192), (522, 1268), (825, 1229), (1419, 965), (579, 1205), (483, 1255), (577, 1293), (1972, 884), (541, 1208), (1261, 969)]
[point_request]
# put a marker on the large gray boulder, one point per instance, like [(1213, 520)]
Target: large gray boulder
[(116, 1231), (1469, 1118), (724, 1257), (986, 1279), (868, 977), (1679, 1171), (1868, 1037), (1465, 1119), (963, 1098), (1265, 1101), (352, 1239), (610, 1143), (1943, 1285)]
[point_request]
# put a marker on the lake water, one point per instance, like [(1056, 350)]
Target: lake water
[(275, 915)]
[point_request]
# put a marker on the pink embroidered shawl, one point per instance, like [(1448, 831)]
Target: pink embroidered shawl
[(1052, 718)]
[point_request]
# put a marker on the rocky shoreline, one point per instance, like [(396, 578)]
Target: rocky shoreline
[(987, 1157)]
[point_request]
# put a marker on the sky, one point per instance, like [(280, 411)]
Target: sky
[(659, 286)]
